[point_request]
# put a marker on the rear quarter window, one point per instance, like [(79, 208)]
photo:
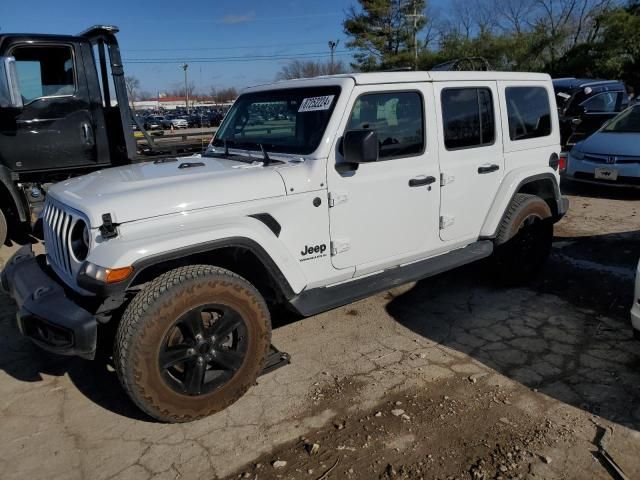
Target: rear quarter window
[(529, 112)]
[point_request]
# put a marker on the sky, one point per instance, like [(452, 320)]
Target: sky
[(213, 37)]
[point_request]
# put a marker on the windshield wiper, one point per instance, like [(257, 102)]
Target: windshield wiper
[(265, 156)]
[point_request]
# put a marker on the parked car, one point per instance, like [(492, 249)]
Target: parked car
[(585, 104), (635, 309), (611, 155), (198, 121), (186, 257), (176, 122), (152, 123)]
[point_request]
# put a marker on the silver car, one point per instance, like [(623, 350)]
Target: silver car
[(611, 155)]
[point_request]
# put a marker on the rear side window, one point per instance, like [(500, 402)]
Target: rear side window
[(396, 117), (44, 71), (529, 112), (468, 117)]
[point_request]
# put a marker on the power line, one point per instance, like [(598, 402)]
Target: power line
[(252, 58), (237, 47)]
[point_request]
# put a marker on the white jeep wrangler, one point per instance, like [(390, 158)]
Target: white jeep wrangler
[(348, 185)]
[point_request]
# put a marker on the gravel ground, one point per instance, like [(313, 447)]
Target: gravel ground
[(452, 377)]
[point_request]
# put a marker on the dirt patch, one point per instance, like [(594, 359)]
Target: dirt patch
[(424, 434)]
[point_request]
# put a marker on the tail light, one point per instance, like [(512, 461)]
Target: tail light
[(562, 162)]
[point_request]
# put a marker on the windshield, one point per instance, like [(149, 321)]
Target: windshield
[(285, 121), (627, 122)]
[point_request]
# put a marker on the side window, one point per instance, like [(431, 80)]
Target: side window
[(602, 103), (44, 71), (529, 112), (468, 117), (397, 118)]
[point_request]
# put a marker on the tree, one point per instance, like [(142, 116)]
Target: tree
[(382, 32), (224, 95), (308, 69), (132, 84)]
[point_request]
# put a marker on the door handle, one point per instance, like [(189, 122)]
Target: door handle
[(87, 134), (488, 168), (421, 181)]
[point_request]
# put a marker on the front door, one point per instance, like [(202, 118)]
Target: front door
[(595, 111), (386, 211), (471, 156), (54, 129)]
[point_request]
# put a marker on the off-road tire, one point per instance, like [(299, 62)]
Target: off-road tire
[(524, 239), (151, 314)]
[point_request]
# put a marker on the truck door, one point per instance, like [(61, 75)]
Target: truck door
[(471, 156), (386, 211), (595, 111), (54, 130)]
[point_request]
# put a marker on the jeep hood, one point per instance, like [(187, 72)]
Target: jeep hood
[(150, 189)]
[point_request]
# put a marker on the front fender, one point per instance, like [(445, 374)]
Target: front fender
[(511, 184), (152, 241)]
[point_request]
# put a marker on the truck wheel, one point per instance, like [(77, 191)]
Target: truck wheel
[(3, 228), (524, 239), (192, 342)]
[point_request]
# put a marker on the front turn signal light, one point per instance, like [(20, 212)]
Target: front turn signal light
[(114, 275)]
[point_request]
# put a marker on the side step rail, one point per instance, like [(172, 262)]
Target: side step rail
[(317, 300)]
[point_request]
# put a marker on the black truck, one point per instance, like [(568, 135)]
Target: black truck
[(63, 112), (584, 105)]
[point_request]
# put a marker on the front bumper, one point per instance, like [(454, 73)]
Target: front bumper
[(584, 171), (46, 314)]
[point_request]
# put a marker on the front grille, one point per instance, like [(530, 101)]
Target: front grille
[(609, 159), (57, 223)]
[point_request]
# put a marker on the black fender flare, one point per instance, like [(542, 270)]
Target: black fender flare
[(139, 266), (18, 205)]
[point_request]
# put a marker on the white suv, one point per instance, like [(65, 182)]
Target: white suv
[(349, 185), (635, 309)]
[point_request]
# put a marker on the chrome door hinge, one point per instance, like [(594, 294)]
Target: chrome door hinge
[(446, 222), (339, 246), (446, 179), (336, 198)]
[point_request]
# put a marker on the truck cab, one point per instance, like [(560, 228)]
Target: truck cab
[(69, 117)]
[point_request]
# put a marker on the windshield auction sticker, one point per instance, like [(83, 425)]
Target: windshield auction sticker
[(315, 104)]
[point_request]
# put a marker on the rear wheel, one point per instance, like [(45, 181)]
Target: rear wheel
[(192, 343), (524, 239), (3, 228)]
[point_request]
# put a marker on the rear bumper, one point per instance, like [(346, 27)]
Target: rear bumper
[(46, 315)]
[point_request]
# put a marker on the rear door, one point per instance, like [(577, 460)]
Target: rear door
[(471, 156), (55, 128)]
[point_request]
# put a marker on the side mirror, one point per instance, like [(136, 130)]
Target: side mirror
[(9, 91), (360, 146)]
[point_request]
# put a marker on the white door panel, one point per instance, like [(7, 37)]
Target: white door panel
[(376, 214), (471, 156)]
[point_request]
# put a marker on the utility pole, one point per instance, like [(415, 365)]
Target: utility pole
[(415, 17), (186, 85), (332, 46)]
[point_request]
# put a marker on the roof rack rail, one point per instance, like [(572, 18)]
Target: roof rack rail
[(464, 64)]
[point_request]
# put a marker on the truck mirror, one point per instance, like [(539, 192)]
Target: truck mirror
[(9, 91), (360, 146)]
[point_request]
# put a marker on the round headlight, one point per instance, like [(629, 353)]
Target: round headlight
[(80, 240)]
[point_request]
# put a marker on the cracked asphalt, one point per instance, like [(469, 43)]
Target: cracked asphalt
[(558, 355)]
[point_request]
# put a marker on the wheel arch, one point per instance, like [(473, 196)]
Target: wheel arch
[(241, 255), (542, 184), (10, 196)]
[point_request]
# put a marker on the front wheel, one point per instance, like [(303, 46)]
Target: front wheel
[(192, 342), (524, 239)]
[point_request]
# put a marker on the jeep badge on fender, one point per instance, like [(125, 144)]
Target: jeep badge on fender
[(308, 250)]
